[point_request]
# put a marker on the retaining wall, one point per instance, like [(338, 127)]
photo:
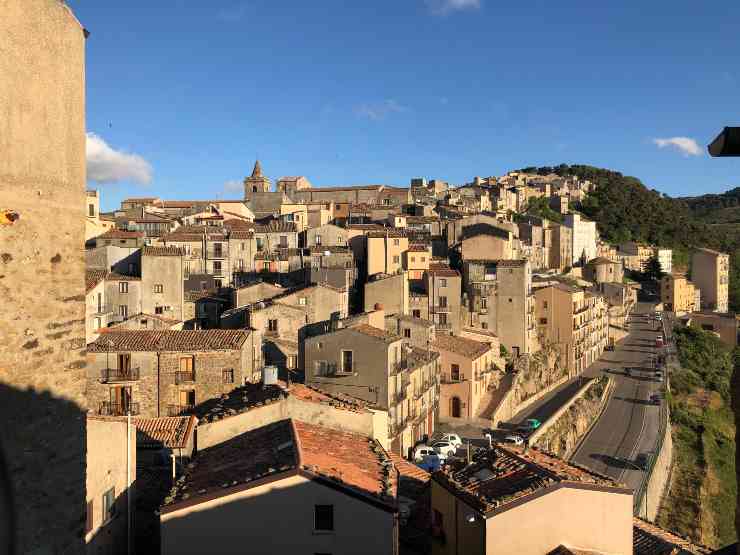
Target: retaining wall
[(558, 413), (660, 477)]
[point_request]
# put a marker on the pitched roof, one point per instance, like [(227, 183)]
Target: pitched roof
[(463, 346), (162, 251), (169, 340), (93, 277), (121, 234), (173, 432), (442, 270), (163, 319), (649, 539), (600, 261), (349, 462), (242, 399), (377, 333), (257, 171), (275, 227), (113, 276), (503, 475)]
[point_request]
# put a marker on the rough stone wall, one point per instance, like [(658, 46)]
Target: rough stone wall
[(42, 325), (143, 391)]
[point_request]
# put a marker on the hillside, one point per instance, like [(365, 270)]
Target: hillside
[(625, 209)]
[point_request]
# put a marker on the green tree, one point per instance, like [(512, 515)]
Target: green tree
[(653, 270)]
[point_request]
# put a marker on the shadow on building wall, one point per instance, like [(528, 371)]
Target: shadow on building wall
[(42, 473)]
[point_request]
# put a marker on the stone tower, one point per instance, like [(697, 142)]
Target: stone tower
[(256, 183)]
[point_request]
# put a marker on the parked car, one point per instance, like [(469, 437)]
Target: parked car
[(515, 439), (422, 451), (430, 463), (444, 448), (530, 425), (452, 438), (659, 376), (655, 399), (643, 461)]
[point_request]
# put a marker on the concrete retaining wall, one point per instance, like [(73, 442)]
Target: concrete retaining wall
[(508, 406), (558, 413), (659, 479)]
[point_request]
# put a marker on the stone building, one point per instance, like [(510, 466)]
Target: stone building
[(575, 321), (120, 238), (162, 275), (487, 241), (443, 287), (710, 271), (167, 373), (391, 292), (468, 369), (373, 364), (123, 295), (678, 294), (561, 253), (42, 230), (603, 270), (327, 235)]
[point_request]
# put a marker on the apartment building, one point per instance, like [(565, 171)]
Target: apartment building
[(710, 271), (417, 260), (242, 248), (443, 287), (561, 252), (332, 265), (98, 313), (156, 373), (385, 251), (162, 275), (665, 259), (120, 238), (413, 331), (575, 321), (678, 294), (122, 296), (392, 292), (329, 491), (603, 270), (374, 365), (583, 237), (468, 370), (512, 500), (327, 235), (486, 241)]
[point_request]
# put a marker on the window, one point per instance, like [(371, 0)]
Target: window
[(396, 259), (423, 258), (243, 245), (89, 516), (443, 302), (347, 362), (217, 283), (455, 372), (158, 288), (123, 287), (217, 250), (413, 259), (484, 302), (302, 301), (443, 282), (544, 304), (291, 361), (407, 333), (259, 243), (543, 321), (91, 210), (272, 325), (324, 518), (187, 364), (283, 241), (123, 311), (416, 313), (109, 498), (158, 310), (217, 267), (442, 318), (484, 325), (396, 242), (386, 201), (228, 376), (318, 239)]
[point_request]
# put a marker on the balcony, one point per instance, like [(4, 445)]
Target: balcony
[(179, 410), (441, 309), (216, 254), (448, 380), (100, 310), (108, 408), (186, 376), (398, 397), (398, 366), (441, 326), (114, 375)]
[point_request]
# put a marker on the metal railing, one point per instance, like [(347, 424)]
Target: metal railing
[(216, 253), (441, 326), (399, 396), (111, 375), (108, 408), (99, 310), (184, 376)]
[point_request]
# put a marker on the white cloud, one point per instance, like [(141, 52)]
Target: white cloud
[(444, 7), (107, 165), (379, 110), (685, 145)]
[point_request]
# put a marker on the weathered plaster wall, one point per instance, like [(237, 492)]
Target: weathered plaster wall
[(42, 324)]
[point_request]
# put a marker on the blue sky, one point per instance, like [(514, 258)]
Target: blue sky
[(182, 95)]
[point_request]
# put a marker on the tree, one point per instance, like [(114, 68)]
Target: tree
[(653, 269)]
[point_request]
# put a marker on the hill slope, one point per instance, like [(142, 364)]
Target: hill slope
[(625, 209)]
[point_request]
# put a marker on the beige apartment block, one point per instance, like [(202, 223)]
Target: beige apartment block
[(636, 255), (42, 199), (375, 365), (529, 503), (417, 260), (710, 271), (583, 237), (468, 369), (288, 487), (443, 287), (575, 321), (327, 235), (385, 251), (110, 490), (162, 275), (489, 242), (678, 294)]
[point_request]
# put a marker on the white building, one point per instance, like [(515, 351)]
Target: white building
[(665, 258), (584, 236)]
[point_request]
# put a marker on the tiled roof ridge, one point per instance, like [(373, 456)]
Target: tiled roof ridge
[(345, 402), (673, 537), (162, 251)]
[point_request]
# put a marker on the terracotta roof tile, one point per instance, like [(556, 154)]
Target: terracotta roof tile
[(275, 227), (172, 432), (442, 270), (121, 234), (113, 276), (649, 539), (463, 346), (372, 331), (93, 277), (169, 340), (162, 251)]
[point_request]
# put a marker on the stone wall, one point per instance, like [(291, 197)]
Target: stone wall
[(42, 325), (659, 479)]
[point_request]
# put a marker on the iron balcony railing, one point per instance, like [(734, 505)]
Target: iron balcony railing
[(184, 376), (99, 310), (217, 253), (111, 375), (441, 326), (179, 410), (399, 396), (108, 408)]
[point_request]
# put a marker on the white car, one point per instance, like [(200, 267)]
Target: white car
[(515, 439), (454, 439), (444, 448), (425, 450)]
